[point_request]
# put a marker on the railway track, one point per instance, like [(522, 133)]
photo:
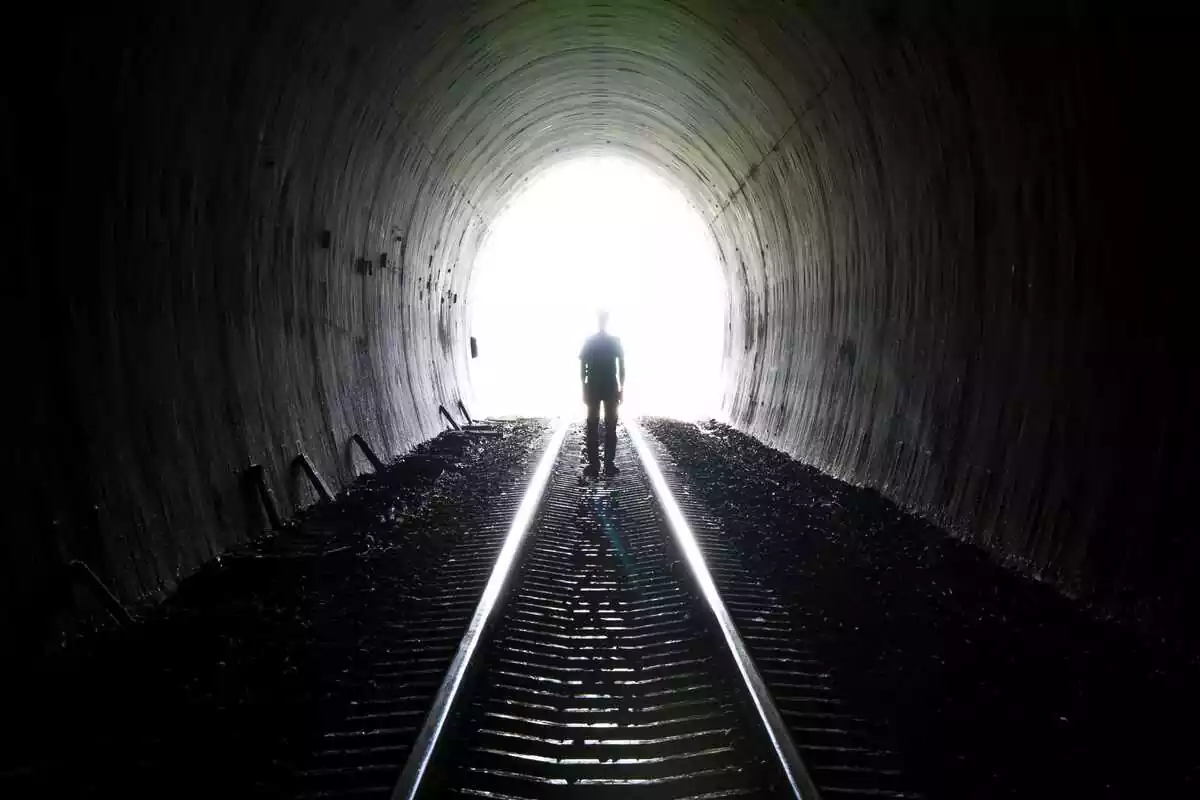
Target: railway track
[(594, 638), (843, 752), (601, 660)]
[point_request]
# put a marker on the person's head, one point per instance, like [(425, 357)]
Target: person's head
[(602, 319)]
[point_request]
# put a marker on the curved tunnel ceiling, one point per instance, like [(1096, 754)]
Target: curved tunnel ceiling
[(926, 269)]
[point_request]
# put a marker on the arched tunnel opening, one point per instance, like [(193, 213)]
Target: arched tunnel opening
[(947, 243), (598, 234)]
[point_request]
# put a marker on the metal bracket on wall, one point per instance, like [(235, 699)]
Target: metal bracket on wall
[(465, 413), (258, 477), (313, 477), (474, 429), (442, 410), (376, 464), (80, 572)]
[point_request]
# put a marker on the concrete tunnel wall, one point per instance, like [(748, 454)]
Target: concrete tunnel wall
[(943, 225)]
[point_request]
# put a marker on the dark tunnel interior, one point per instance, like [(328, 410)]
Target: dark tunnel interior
[(950, 231)]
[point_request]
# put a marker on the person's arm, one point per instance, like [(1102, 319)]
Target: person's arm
[(583, 371), (620, 372)]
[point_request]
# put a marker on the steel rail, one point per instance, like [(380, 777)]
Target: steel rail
[(423, 749), (781, 739)]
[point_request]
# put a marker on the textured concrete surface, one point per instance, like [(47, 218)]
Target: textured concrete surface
[(948, 229)]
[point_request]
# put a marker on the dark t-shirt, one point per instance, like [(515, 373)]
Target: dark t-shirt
[(599, 356)]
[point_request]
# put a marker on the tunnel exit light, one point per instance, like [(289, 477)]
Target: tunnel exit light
[(598, 233)]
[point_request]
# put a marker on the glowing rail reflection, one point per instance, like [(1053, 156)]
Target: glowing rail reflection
[(409, 784), (801, 783)]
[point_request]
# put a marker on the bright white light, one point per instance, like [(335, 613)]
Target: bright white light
[(588, 234)]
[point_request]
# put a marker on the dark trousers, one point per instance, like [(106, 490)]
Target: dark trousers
[(610, 428)]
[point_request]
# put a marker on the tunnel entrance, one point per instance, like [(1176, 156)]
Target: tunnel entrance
[(598, 232)]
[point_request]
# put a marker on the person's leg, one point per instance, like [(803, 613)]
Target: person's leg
[(610, 430), (592, 433)]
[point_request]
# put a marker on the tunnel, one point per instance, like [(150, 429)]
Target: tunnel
[(953, 236), (945, 230)]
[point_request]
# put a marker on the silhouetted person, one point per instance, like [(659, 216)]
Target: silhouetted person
[(602, 372)]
